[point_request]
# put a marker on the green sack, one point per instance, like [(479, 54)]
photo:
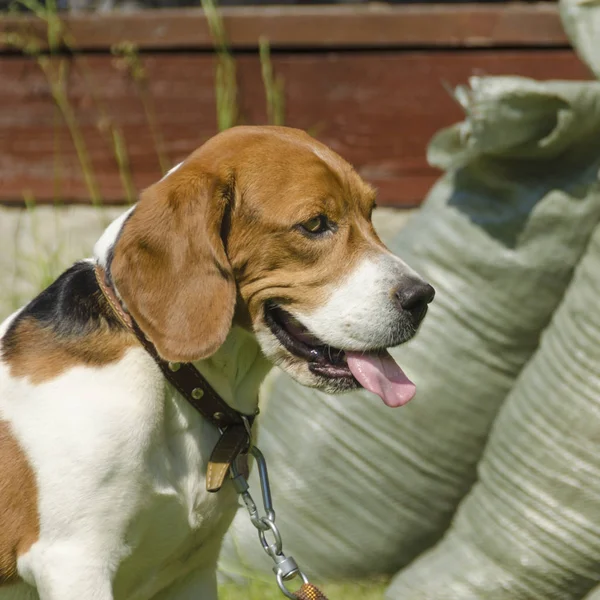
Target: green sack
[(595, 595), (581, 20), (530, 528), (362, 489)]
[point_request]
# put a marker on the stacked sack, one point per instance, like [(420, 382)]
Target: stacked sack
[(530, 528), (582, 23), (362, 489), (581, 20)]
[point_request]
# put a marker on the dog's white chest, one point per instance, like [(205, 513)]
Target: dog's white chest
[(179, 531), (121, 481)]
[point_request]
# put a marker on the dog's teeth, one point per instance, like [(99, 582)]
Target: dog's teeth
[(338, 357)]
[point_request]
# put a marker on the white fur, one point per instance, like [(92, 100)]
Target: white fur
[(108, 238), (361, 309), (120, 462), (171, 170), (6, 324)]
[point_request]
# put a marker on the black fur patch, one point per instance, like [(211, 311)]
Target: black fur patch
[(72, 306)]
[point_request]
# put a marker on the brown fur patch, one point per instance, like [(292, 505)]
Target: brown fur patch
[(171, 269), (37, 352), (229, 218), (18, 505)]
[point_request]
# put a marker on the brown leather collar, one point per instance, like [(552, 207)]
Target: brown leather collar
[(191, 384)]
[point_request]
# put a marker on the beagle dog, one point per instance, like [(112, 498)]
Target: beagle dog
[(257, 250)]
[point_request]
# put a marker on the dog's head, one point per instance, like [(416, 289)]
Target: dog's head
[(267, 228)]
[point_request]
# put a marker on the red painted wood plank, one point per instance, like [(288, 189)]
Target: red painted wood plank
[(377, 109), (371, 25)]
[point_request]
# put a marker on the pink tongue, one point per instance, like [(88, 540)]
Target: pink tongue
[(380, 374)]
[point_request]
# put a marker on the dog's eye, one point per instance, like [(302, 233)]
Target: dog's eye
[(316, 225)]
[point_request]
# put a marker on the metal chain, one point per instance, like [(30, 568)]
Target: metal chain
[(285, 567)]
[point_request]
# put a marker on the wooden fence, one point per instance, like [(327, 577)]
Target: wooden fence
[(371, 81)]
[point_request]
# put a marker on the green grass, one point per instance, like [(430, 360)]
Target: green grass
[(258, 590), (226, 90), (274, 86)]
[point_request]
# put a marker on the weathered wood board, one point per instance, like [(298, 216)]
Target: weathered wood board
[(378, 107)]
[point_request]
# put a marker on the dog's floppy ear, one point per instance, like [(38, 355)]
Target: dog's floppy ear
[(171, 269)]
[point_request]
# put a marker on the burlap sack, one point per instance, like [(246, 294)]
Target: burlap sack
[(581, 20), (362, 489), (530, 528)]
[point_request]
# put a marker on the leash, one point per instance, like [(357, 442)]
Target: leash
[(230, 455), (285, 567)]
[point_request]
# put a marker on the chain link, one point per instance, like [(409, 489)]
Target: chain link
[(285, 567)]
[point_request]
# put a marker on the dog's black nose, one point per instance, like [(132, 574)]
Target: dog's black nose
[(414, 298)]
